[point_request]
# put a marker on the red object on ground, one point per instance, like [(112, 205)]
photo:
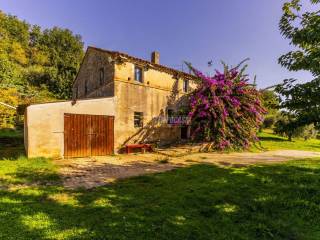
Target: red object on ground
[(143, 147)]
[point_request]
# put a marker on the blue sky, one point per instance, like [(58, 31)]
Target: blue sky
[(195, 31)]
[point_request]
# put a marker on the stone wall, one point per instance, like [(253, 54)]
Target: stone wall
[(89, 74), (159, 92)]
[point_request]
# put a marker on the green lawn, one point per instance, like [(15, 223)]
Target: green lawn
[(199, 202), (269, 141)]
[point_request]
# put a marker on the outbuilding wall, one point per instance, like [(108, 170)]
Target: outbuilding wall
[(44, 125)]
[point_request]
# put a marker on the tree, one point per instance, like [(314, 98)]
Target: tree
[(225, 110), (8, 114), (270, 101), (31, 58), (65, 52), (36, 65), (303, 31), (285, 126)]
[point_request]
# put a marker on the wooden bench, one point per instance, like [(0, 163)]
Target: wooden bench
[(142, 147)]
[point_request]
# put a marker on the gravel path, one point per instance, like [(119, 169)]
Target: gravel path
[(98, 171)]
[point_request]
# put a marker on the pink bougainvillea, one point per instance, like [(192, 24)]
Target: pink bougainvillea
[(225, 110)]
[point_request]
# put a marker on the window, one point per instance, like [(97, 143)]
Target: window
[(170, 116), (75, 92), (138, 74), (85, 87), (138, 119), (185, 85), (101, 76)]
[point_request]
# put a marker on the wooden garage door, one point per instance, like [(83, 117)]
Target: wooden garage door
[(88, 135)]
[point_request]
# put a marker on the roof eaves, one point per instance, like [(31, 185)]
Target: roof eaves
[(150, 64)]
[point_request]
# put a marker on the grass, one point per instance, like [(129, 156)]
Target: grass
[(202, 201), (199, 202), (269, 141), (10, 133), (11, 143)]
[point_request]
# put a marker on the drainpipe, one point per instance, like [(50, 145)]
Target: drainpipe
[(7, 105)]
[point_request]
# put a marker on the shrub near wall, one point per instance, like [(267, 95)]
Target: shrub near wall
[(225, 110)]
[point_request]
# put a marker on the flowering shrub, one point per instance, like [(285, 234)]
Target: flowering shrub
[(225, 109)]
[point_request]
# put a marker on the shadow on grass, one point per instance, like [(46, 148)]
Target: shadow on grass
[(39, 177), (314, 146), (273, 139), (11, 153), (11, 146), (198, 202), (258, 145), (28, 172)]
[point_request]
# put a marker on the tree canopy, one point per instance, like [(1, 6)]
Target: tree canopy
[(38, 63), (303, 30)]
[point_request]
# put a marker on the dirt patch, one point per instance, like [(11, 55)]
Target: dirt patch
[(98, 171)]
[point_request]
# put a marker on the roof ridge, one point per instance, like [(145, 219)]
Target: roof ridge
[(163, 67)]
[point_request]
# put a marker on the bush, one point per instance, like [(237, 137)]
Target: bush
[(225, 110), (269, 122), (285, 126), (8, 115), (306, 132)]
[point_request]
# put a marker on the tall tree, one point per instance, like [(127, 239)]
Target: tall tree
[(302, 28), (33, 60), (35, 65), (63, 52)]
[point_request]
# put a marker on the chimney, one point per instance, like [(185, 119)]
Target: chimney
[(155, 57)]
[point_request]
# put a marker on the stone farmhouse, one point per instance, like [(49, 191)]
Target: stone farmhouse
[(117, 100)]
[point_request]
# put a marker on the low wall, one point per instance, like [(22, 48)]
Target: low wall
[(44, 125)]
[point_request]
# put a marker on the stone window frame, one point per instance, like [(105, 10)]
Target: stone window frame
[(101, 76), (86, 90), (141, 71), (185, 85), (138, 119)]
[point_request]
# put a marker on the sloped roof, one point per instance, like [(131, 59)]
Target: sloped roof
[(159, 67)]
